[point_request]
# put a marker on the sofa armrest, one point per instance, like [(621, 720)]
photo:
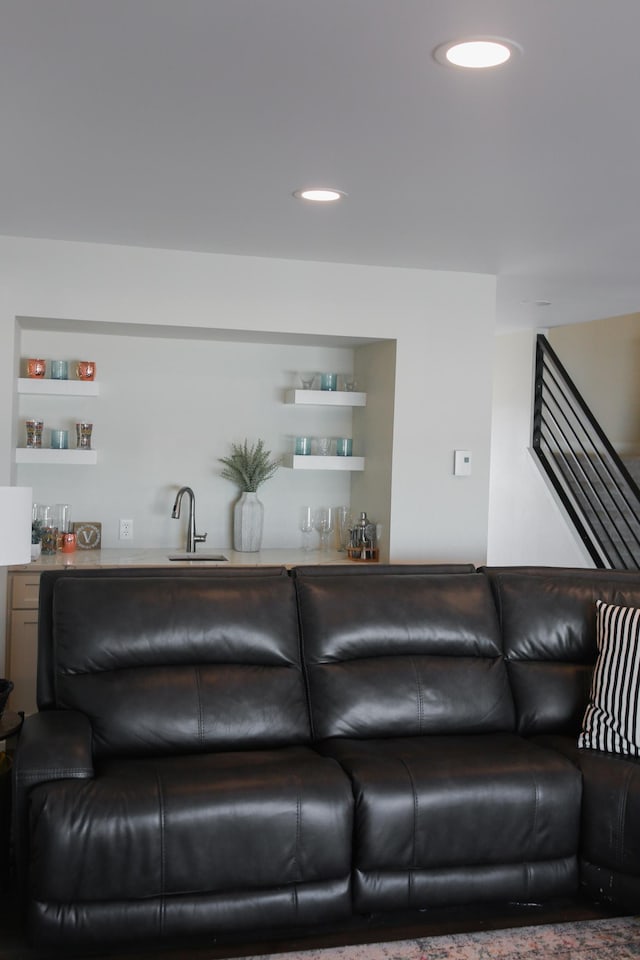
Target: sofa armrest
[(53, 745)]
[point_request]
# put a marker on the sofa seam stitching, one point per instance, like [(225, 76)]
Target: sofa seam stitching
[(622, 808), (420, 695), (414, 831), (199, 696), (303, 664), (53, 773), (161, 812), (298, 839), (536, 808)]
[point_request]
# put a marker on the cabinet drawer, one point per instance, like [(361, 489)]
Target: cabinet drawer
[(25, 588), (22, 659)]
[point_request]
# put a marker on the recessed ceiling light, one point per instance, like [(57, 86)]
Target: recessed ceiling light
[(477, 53), (319, 194)]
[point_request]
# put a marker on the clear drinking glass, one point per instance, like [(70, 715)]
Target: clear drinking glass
[(62, 517), (345, 523), (44, 513), (323, 446), (307, 528)]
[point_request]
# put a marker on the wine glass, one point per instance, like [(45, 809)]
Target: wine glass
[(324, 522), (307, 527)]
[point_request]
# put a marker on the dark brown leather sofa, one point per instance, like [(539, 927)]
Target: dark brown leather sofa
[(237, 751)]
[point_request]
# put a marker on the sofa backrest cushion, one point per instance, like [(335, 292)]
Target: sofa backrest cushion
[(548, 620), (402, 655), (49, 579), (180, 665)]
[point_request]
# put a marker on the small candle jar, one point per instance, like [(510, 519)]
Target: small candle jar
[(303, 446), (36, 368), (59, 370), (328, 381), (68, 542), (59, 439)]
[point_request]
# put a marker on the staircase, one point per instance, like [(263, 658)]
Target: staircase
[(597, 489)]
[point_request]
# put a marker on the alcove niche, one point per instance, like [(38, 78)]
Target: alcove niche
[(169, 402)]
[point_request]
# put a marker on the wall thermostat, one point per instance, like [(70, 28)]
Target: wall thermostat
[(462, 463)]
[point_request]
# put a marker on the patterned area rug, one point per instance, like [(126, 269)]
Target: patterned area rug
[(611, 939)]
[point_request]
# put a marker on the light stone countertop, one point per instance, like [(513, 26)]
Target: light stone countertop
[(159, 556)]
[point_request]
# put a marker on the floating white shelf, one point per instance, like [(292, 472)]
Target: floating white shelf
[(326, 398), (296, 462), (45, 455), (60, 388)]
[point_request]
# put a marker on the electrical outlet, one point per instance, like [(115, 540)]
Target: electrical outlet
[(126, 529)]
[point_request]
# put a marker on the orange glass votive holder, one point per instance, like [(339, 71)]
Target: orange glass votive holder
[(68, 542), (36, 368), (85, 370)]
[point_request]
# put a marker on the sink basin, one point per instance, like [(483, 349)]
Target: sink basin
[(197, 556)]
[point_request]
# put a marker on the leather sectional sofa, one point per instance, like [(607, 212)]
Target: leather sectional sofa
[(260, 749)]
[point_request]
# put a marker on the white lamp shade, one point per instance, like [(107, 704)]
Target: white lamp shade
[(15, 525)]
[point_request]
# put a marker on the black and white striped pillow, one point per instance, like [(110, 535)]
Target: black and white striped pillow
[(612, 719)]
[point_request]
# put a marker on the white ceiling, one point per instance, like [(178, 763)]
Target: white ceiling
[(187, 124)]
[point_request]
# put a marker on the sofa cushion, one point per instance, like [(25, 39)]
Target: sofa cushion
[(466, 804), (204, 824), (612, 718), (50, 578), (611, 824), (403, 655), (610, 836), (191, 664), (549, 630)]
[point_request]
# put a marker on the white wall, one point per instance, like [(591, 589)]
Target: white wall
[(526, 525), (168, 408), (602, 358), (442, 393), (375, 365)]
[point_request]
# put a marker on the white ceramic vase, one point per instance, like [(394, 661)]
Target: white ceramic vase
[(248, 518)]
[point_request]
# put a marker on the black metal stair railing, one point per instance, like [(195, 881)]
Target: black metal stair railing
[(596, 489)]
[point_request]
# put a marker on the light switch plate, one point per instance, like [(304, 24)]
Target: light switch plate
[(462, 463)]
